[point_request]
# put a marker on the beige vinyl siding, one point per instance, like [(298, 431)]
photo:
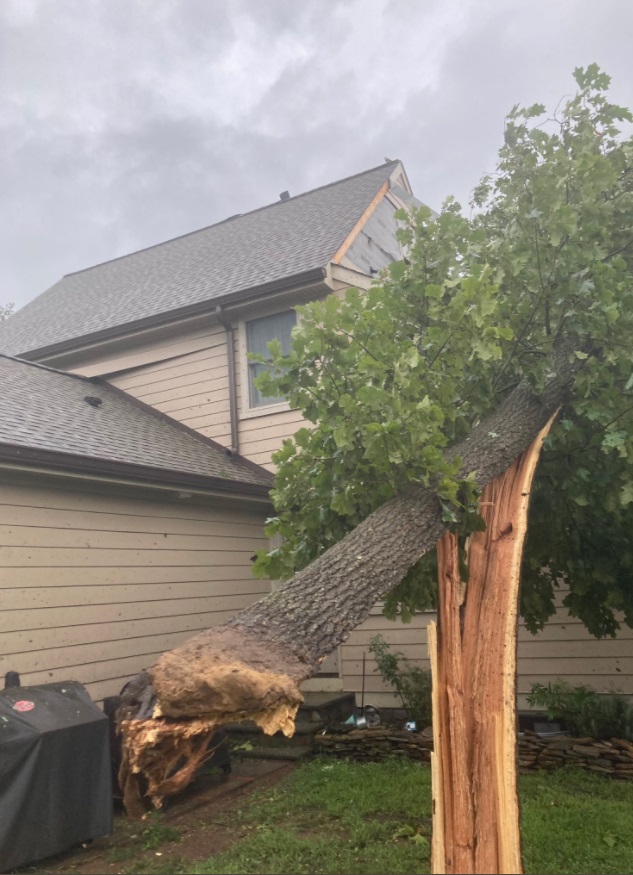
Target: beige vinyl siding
[(262, 435), (95, 587), (193, 388), (137, 352), (563, 649), (185, 376), (408, 638)]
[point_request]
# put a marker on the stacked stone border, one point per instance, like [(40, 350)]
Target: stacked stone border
[(613, 757)]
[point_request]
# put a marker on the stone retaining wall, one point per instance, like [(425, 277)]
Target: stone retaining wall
[(614, 757)]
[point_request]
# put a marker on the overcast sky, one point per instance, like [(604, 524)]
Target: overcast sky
[(127, 122)]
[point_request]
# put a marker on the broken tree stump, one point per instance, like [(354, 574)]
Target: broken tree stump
[(473, 661)]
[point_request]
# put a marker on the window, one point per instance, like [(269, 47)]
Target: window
[(259, 333)]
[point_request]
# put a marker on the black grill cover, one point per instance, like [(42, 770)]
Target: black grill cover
[(55, 788)]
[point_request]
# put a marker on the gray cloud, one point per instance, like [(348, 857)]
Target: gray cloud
[(126, 122)]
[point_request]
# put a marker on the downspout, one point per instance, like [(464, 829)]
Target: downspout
[(229, 332)]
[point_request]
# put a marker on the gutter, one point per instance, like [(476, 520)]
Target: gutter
[(12, 454), (75, 344), (229, 333)]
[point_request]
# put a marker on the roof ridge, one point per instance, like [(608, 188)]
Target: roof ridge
[(232, 218)]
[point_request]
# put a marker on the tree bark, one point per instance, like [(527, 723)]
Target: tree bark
[(251, 666), (473, 660)]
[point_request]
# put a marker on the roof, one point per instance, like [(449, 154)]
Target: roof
[(80, 423), (274, 243)]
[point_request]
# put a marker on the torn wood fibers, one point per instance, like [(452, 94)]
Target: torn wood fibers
[(195, 690), (473, 661)]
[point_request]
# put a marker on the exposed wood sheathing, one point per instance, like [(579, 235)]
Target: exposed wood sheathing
[(358, 227)]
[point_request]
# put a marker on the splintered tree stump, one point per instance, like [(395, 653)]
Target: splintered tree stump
[(250, 668), (473, 661)]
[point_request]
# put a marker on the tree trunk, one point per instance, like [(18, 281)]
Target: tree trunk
[(251, 667), (473, 660)]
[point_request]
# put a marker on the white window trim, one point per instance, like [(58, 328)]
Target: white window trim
[(265, 410), (246, 411)]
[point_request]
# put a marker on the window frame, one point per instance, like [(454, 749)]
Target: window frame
[(246, 411)]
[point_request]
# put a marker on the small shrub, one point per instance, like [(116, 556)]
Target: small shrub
[(411, 683), (158, 834), (584, 711)]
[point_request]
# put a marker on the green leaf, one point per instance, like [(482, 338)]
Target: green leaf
[(397, 270), (614, 439), (391, 378), (404, 832), (626, 494), (342, 437)]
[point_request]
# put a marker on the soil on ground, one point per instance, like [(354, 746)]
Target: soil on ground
[(204, 816)]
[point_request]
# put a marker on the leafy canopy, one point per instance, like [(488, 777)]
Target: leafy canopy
[(391, 377)]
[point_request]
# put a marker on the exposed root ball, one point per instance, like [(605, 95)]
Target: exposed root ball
[(168, 720), (225, 675)]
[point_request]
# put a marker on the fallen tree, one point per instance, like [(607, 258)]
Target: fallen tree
[(421, 392), (250, 668)]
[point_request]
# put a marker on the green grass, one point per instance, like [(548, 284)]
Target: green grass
[(158, 833), (575, 821), (340, 817), (336, 817), (116, 855)]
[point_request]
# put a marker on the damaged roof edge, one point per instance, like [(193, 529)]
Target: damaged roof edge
[(308, 277), (12, 454)]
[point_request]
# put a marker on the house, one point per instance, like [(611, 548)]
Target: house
[(165, 333), (122, 530)]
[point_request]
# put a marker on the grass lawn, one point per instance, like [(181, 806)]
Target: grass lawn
[(339, 817)]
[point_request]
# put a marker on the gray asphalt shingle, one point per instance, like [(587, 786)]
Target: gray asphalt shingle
[(270, 244), (45, 409)]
